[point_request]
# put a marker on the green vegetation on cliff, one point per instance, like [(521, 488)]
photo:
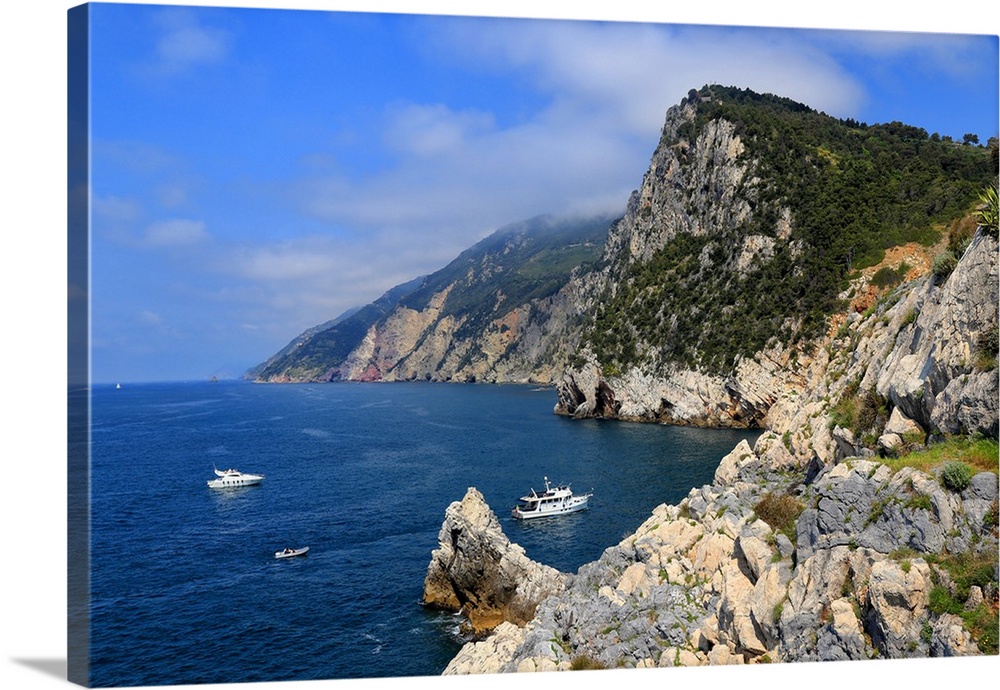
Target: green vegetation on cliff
[(853, 191)]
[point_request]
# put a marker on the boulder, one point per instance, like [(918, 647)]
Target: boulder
[(889, 443), (901, 425), (842, 638), (735, 617), (898, 600), (769, 592), (753, 547), (729, 467), (950, 638), (487, 655), (846, 447)]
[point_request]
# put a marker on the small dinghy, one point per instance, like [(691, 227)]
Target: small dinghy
[(290, 553)]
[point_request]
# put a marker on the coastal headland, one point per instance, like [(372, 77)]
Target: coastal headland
[(862, 524)]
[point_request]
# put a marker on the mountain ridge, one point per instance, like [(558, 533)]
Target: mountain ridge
[(481, 295)]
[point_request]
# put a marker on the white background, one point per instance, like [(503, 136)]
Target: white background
[(33, 471)]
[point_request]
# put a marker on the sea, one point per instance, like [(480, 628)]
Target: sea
[(185, 588)]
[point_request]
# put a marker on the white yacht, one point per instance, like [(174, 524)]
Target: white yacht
[(556, 500), (233, 478)]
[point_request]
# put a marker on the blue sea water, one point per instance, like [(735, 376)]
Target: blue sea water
[(184, 586)]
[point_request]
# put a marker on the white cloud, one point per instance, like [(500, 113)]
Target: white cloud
[(291, 260), (175, 233), (458, 173), (150, 318), (185, 43), (116, 210), (433, 130), (631, 73), (954, 54)]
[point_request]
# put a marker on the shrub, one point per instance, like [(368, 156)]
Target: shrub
[(991, 520), (987, 344), (941, 601), (956, 476), (960, 234), (585, 663), (944, 264), (873, 412), (920, 502), (982, 622), (926, 632), (890, 277), (779, 511), (877, 510)]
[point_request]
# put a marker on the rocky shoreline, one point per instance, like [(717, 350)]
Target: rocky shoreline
[(711, 581), (816, 543)]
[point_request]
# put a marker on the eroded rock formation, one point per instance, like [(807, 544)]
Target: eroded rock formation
[(478, 571)]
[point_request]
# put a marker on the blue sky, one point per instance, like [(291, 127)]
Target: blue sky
[(258, 171)]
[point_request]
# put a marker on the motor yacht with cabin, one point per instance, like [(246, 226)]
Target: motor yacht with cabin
[(555, 500), (231, 478)]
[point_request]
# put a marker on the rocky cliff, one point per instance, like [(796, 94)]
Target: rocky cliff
[(753, 226), (862, 524)]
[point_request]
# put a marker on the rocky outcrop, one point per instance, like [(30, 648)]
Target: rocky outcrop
[(681, 396), (477, 571), (709, 226), (910, 368), (930, 372)]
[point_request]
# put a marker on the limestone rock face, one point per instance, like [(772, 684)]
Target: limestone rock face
[(478, 571), (930, 375), (918, 349), (899, 600)]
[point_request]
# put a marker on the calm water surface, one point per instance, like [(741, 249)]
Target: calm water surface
[(185, 588)]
